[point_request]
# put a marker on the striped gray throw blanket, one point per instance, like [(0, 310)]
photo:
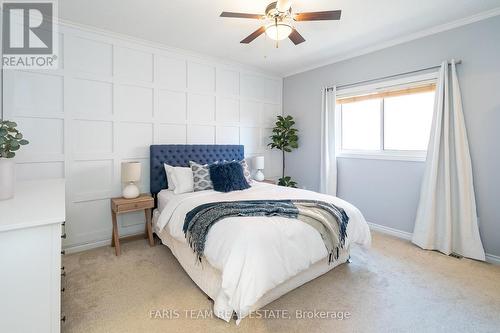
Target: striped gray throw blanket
[(330, 220)]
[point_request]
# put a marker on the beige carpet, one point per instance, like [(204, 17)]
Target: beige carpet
[(392, 287)]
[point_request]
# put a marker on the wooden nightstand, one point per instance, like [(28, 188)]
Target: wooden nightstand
[(144, 202), (269, 181)]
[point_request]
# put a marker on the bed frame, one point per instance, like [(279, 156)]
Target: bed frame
[(206, 277)]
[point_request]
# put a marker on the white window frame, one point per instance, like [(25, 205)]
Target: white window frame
[(381, 154)]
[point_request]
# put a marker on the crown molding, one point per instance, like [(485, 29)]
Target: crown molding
[(166, 48), (401, 40), (356, 53)]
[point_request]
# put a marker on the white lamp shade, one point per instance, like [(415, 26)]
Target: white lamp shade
[(258, 162), (131, 171)]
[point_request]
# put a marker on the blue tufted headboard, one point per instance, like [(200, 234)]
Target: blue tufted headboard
[(180, 155)]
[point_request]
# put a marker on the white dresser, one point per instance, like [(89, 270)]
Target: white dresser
[(30, 257)]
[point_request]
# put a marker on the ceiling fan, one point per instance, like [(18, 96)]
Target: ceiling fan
[(278, 21)]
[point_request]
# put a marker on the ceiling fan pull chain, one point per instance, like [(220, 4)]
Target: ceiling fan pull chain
[(277, 35)]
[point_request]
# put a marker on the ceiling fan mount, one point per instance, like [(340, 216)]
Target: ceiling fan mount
[(272, 11), (278, 21)]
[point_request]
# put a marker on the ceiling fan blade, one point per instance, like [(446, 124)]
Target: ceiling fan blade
[(241, 15), (318, 16), (296, 38), (253, 35)]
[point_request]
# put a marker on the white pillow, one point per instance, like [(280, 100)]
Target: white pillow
[(169, 172), (180, 179), (183, 180)]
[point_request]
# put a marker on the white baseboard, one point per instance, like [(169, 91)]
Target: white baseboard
[(87, 246), (492, 259), (390, 231), (92, 245)]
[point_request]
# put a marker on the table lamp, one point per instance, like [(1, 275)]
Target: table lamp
[(259, 165), (131, 174)]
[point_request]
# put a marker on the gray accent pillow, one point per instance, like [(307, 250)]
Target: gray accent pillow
[(246, 171), (201, 176)]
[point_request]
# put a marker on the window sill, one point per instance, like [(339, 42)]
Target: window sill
[(389, 157)]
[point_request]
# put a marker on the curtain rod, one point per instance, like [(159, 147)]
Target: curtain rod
[(458, 62)]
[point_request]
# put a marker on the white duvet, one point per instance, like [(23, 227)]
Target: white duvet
[(255, 254)]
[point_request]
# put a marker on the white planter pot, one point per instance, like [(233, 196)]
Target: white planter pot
[(7, 178)]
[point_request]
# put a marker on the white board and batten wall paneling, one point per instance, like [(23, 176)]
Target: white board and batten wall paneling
[(111, 99)]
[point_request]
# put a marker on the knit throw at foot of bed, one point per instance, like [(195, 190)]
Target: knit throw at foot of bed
[(330, 220)]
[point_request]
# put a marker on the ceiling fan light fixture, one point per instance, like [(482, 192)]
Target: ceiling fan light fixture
[(278, 21), (283, 6), (278, 31)]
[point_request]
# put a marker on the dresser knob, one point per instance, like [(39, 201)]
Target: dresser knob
[(63, 289), (63, 274), (63, 319), (63, 236), (63, 252)]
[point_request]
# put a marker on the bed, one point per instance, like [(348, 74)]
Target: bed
[(248, 261)]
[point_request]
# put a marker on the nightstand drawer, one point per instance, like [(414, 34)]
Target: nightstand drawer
[(135, 206)]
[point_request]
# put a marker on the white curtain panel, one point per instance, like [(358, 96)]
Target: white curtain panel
[(446, 217), (328, 168)]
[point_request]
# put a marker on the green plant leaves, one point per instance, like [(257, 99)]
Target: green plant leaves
[(8, 123), (284, 135), (11, 139), (7, 154), (287, 182)]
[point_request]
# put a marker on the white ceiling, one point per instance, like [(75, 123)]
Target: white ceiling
[(195, 25)]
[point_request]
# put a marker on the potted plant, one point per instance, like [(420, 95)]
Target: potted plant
[(285, 139), (10, 141)]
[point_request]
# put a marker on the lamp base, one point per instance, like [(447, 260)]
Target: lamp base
[(259, 175), (130, 191)]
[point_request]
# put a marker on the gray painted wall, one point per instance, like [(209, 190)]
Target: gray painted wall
[(385, 191)]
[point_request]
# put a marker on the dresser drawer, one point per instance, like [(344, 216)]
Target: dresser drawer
[(30, 271), (134, 206)]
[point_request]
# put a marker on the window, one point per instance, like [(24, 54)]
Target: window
[(389, 120), (361, 125)]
